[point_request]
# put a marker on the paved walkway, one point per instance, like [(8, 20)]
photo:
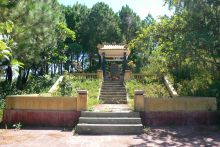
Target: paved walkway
[(63, 137), (112, 108)]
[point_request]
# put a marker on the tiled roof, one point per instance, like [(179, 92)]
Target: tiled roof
[(113, 47)]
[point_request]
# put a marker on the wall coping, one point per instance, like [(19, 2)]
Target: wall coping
[(27, 95), (82, 92), (138, 92), (190, 97)]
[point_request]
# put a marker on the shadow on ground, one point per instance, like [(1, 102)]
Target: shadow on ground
[(181, 136)]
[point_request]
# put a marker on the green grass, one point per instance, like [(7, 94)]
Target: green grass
[(70, 85), (153, 89)]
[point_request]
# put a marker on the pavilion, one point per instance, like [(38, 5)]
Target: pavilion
[(113, 52)]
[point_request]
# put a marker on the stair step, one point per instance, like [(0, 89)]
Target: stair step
[(112, 98), (114, 101), (110, 114), (110, 81), (113, 88), (113, 93), (117, 100), (113, 83), (109, 91), (117, 129), (109, 120)]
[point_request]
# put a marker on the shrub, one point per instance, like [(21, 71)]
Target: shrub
[(35, 85), (70, 85), (155, 89)]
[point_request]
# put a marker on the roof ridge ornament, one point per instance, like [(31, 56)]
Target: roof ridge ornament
[(100, 46)]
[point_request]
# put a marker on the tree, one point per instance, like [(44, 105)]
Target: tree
[(32, 31), (199, 38), (130, 23), (102, 25)]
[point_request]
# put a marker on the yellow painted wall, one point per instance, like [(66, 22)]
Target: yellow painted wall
[(41, 103), (181, 104)]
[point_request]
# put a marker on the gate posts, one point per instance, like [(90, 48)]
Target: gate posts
[(99, 74), (127, 75), (139, 100), (82, 100)]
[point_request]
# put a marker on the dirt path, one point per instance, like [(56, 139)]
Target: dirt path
[(158, 136)]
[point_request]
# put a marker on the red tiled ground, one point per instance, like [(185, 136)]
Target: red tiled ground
[(160, 136)]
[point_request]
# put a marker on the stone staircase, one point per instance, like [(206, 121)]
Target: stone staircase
[(104, 123), (113, 92)]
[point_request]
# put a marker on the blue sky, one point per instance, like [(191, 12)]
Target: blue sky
[(141, 7)]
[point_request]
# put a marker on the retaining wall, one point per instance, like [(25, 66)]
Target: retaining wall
[(177, 111), (180, 104), (179, 118), (41, 117), (46, 111), (15, 102)]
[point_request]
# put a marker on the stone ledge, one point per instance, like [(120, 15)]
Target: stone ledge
[(82, 92), (138, 92)]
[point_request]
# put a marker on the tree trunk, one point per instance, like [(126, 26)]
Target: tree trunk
[(25, 76), (47, 68), (28, 71), (9, 74), (61, 69), (19, 78), (71, 60), (90, 64), (51, 73), (58, 68), (82, 60), (54, 67)]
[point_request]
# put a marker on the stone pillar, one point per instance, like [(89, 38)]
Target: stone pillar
[(103, 64), (124, 64), (127, 75), (99, 74), (82, 100), (139, 100)]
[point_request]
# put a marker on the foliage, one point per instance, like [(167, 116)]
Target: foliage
[(77, 66), (5, 51), (2, 106), (147, 130), (35, 85), (131, 65), (129, 23), (70, 85), (186, 46), (154, 89), (17, 126)]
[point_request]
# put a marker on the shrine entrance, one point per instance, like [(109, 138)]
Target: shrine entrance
[(113, 52)]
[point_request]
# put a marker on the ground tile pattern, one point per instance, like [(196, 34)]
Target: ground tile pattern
[(202, 135)]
